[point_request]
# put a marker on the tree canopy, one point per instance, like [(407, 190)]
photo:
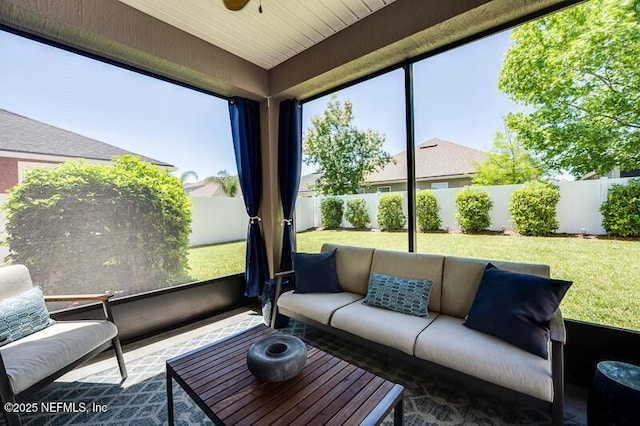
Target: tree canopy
[(508, 163), (343, 154), (576, 73)]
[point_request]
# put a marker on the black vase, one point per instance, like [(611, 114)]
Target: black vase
[(277, 358)]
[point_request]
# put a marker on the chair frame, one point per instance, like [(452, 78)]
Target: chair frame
[(7, 395)]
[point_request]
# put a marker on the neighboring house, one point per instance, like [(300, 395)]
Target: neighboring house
[(613, 174), (204, 189), (27, 143), (439, 164)]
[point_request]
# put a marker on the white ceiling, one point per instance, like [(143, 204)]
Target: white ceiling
[(283, 29)]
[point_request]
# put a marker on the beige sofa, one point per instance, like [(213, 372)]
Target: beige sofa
[(441, 338)]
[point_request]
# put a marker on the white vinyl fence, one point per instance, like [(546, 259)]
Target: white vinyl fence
[(222, 219), (577, 209)]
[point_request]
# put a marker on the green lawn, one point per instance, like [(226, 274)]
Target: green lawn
[(605, 273)]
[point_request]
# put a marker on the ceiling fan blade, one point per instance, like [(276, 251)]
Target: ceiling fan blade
[(235, 4)]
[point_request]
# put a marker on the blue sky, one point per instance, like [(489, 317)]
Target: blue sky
[(456, 99)]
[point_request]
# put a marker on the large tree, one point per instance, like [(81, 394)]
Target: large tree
[(343, 154), (508, 163), (576, 73)]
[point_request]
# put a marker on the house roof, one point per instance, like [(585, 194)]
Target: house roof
[(204, 189), (20, 134), (307, 180), (435, 159)]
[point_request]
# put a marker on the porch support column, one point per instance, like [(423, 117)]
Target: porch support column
[(411, 156), (272, 217)]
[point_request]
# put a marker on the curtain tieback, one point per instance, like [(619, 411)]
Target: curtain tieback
[(288, 221), (253, 219)]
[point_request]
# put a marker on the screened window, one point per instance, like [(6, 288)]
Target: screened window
[(133, 177)]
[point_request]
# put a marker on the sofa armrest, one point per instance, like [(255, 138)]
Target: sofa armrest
[(278, 276), (557, 329), (283, 274)]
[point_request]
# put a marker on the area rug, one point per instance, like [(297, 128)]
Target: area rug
[(430, 398)]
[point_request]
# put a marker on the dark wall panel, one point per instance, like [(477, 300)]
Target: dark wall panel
[(588, 344), (150, 313)]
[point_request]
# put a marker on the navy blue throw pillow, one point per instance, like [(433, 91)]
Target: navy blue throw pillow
[(316, 272), (516, 308)]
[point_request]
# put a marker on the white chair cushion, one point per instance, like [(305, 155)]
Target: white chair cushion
[(34, 357), (15, 279), (316, 306), (447, 342), (382, 326)]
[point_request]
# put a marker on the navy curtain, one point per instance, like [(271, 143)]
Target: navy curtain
[(289, 167), (245, 129)]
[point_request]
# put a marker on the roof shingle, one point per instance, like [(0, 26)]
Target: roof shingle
[(435, 158), (23, 135)]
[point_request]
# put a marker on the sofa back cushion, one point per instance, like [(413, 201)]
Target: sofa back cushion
[(412, 265), (353, 265), (462, 276)]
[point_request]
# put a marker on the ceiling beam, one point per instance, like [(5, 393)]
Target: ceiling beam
[(402, 30), (115, 31)]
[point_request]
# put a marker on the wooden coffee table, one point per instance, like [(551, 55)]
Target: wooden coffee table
[(329, 391)]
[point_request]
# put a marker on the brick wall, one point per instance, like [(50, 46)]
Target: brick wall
[(8, 173)]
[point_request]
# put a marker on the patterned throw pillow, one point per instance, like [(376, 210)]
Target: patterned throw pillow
[(23, 314), (405, 295)]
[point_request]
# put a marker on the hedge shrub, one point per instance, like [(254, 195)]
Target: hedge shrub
[(357, 213), (621, 211), (473, 209), (93, 228), (390, 216), (331, 210), (427, 211), (533, 209)]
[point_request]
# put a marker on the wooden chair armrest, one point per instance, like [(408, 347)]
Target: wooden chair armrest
[(283, 274), (556, 326), (78, 298)]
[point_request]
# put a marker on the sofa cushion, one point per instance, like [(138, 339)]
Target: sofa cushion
[(412, 265), (462, 276), (448, 343), (315, 306), (382, 326), (15, 280), (353, 264), (516, 308), (40, 354), (23, 314), (315, 272), (405, 295)]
